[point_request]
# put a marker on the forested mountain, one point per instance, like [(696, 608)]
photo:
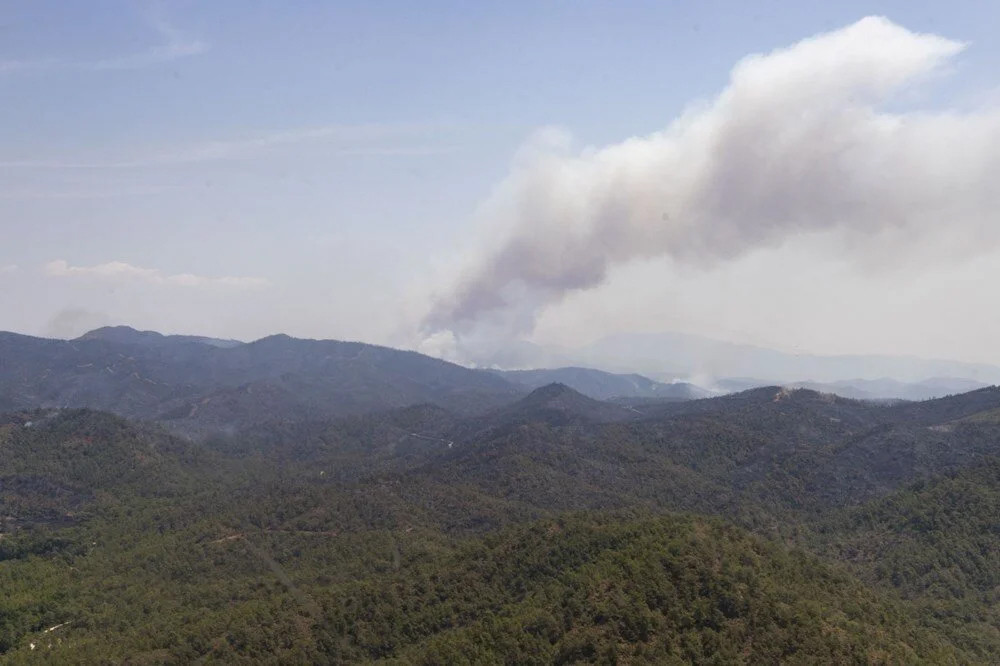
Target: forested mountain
[(129, 335), (772, 525), (604, 385), (56, 464), (201, 385)]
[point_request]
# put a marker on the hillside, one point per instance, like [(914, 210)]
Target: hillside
[(949, 409), (56, 462), (839, 530), (199, 385), (604, 385), (589, 589), (890, 389), (559, 405)]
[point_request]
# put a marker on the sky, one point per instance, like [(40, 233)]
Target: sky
[(451, 176)]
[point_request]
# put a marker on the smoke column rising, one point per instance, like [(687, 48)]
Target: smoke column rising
[(797, 142)]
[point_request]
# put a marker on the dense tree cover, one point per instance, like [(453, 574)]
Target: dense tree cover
[(152, 587), (665, 590), (844, 533), (937, 543), (937, 537)]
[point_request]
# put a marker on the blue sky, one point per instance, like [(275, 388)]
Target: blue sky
[(319, 168)]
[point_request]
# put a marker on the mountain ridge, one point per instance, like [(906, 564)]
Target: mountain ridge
[(199, 386), (671, 356), (604, 385)]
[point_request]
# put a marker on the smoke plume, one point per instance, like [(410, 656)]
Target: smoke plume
[(799, 141)]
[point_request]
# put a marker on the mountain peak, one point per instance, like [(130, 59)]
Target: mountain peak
[(553, 391), (558, 404), (604, 385), (126, 335), (122, 334)]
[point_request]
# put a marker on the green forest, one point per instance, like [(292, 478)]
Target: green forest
[(744, 531)]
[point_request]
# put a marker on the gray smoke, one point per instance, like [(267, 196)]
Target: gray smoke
[(799, 141)]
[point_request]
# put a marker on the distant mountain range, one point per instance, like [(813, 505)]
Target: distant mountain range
[(876, 389), (199, 385), (704, 361), (605, 385)]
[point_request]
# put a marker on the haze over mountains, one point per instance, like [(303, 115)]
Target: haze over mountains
[(605, 385), (198, 385), (672, 356)]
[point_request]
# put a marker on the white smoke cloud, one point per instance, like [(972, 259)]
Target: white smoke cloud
[(799, 141), (69, 323)]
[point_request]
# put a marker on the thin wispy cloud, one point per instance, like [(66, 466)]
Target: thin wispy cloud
[(122, 271), (355, 139), (389, 139), (173, 46), (86, 193), (154, 56), (33, 65)]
